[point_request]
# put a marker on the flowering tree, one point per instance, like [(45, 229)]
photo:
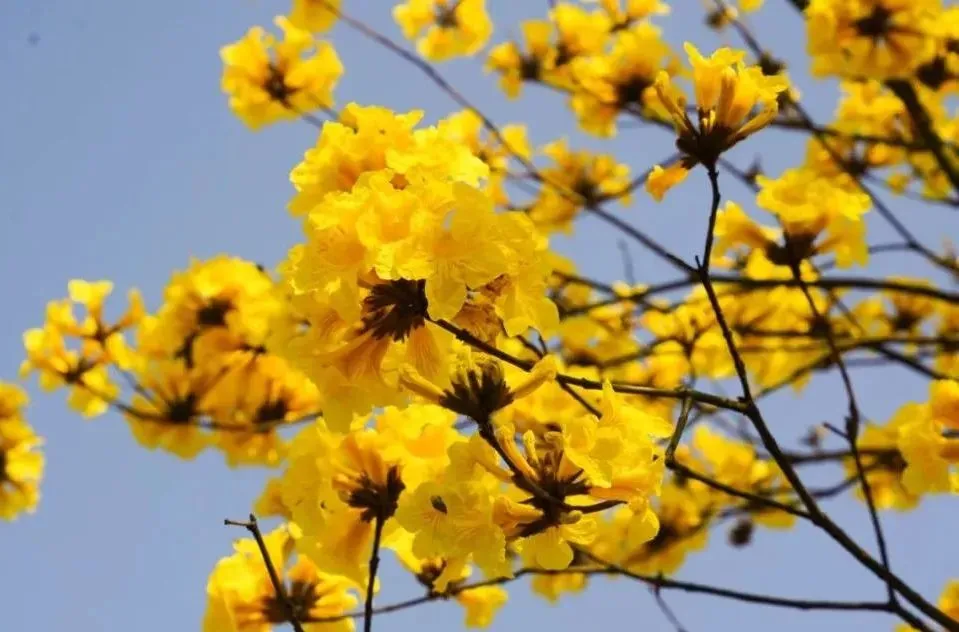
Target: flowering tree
[(428, 377)]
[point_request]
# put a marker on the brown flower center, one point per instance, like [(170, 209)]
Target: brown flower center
[(394, 309), (377, 500)]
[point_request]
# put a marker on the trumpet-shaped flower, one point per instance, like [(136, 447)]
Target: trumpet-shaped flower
[(270, 80), (21, 462), (727, 93), (445, 28)]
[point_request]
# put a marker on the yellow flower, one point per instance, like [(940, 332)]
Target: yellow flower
[(479, 388), (910, 312), (949, 599), (464, 129), (545, 542), (481, 604), (315, 16), (422, 435), (337, 488), (633, 11), (661, 180), (391, 329), (884, 463), (622, 80), (439, 575), (21, 462), (727, 92), (930, 454), (385, 261), (445, 577), (807, 227), (515, 66), (575, 180), (944, 403), (348, 148), (452, 28), (241, 596), (454, 520), (170, 411), (553, 586), (78, 353), (91, 389), (216, 305), (817, 215), (691, 337), (259, 399), (737, 465), (736, 229), (616, 454), (939, 72), (870, 38), (269, 80), (270, 501), (579, 32), (947, 359), (680, 529)]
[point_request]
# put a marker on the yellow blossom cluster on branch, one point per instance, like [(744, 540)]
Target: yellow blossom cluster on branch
[(21, 462), (269, 80), (202, 376), (426, 375)]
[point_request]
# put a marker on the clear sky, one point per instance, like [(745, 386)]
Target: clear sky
[(119, 159)]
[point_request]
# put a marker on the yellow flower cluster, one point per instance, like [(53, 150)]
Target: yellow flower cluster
[(446, 499), (241, 595), (727, 93), (201, 372), (606, 59), (391, 214), (915, 452), (871, 38), (270, 80), (816, 216), (462, 397), (885, 50), (21, 462), (67, 352), (444, 29), (928, 442), (315, 16), (574, 180)]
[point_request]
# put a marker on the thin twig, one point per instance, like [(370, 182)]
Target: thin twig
[(605, 569), (254, 528), (853, 421), (924, 127), (619, 387), (816, 515), (374, 567), (713, 212)]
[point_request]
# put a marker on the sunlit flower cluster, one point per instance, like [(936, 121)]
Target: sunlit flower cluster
[(201, 374), (270, 80), (427, 376), (815, 215), (871, 38), (21, 462), (391, 218), (727, 93), (444, 29)]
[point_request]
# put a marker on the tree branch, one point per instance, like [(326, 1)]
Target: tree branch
[(254, 528), (373, 568)]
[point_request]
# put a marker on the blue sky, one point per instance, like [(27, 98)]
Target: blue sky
[(120, 160)]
